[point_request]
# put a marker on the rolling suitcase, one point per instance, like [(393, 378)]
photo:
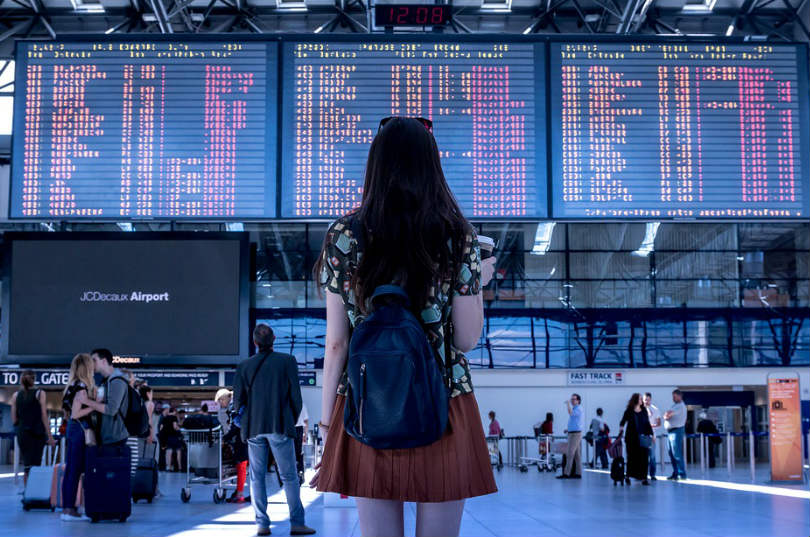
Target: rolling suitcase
[(37, 494), (56, 488), (617, 470), (107, 479), (145, 480)]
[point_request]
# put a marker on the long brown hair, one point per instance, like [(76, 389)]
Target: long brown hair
[(27, 379), (407, 216), (81, 369), (635, 399)]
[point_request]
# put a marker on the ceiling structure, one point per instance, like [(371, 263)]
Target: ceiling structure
[(786, 20)]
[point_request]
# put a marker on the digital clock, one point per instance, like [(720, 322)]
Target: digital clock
[(411, 14)]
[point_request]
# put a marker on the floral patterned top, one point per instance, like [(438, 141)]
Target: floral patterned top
[(340, 259)]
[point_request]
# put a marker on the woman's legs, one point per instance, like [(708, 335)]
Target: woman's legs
[(439, 519), (380, 518), (169, 459), (74, 466)]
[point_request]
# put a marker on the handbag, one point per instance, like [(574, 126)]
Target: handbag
[(645, 441)]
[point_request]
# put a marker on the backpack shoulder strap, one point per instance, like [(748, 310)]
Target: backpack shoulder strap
[(256, 372)]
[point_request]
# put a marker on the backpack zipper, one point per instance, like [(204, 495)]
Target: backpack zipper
[(362, 393)]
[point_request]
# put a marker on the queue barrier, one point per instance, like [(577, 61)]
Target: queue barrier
[(520, 448)]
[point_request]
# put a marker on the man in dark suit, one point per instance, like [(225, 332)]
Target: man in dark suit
[(267, 386)]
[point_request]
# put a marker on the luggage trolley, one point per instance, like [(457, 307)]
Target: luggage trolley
[(494, 452), (205, 463), (545, 459)]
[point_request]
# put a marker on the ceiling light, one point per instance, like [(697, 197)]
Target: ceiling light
[(542, 238), (648, 242)]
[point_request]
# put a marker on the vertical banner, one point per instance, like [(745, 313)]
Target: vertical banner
[(785, 428)]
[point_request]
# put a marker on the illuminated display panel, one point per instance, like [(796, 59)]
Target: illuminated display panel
[(145, 129), (679, 130), (486, 100)]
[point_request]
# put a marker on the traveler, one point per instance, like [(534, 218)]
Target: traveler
[(636, 438), (223, 399), (29, 414), (407, 231), (171, 437), (655, 422), (233, 438), (494, 426), (267, 386), (675, 422), (573, 464), (149, 441), (80, 389), (599, 434), (113, 401), (707, 426), (301, 428), (547, 427)]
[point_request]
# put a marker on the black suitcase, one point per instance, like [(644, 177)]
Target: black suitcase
[(617, 470), (107, 486), (145, 480)]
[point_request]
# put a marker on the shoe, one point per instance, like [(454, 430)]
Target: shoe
[(673, 478), (563, 476), (627, 480), (64, 517), (645, 483), (236, 499), (682, 476), (576, 476), (653, 478), (263, 531), (301, 530)]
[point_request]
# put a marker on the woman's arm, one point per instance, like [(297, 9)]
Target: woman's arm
[(43, 402), (337, 349), (468, 312), (80, 408), (14, 410)]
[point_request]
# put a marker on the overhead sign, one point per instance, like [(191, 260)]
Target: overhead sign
[(785, 428), (43, 378), (595, 378), (305, 378), (59, 377)]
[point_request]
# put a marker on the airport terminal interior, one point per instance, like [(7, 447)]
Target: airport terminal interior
[(175, 177)]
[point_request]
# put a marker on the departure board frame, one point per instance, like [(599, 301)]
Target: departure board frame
[(540, 45), (554, 138), (271, 119), (243, 336)]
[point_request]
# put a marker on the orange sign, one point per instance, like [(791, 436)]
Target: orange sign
[(785, 429)]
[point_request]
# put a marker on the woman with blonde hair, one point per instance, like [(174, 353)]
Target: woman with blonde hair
[(80, 389)]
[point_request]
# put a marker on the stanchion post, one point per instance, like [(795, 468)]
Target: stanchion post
[(702, 443), (16, 458), (728, 453), (685, 452), (751, 455), (62, 450), (663, 451)]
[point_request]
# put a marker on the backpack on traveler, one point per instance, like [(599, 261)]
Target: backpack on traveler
[(135, 416), (397, 396)]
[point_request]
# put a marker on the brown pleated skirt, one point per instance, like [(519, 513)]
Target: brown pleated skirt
[(455, 467)]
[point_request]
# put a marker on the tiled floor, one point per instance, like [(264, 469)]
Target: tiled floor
[(529, 504)]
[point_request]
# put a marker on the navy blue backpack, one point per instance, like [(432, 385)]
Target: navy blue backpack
[(397, 395)]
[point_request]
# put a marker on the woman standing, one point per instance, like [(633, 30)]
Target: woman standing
[(145, 391), (80, 388), (29, 414), (409, 231), (637, 436)]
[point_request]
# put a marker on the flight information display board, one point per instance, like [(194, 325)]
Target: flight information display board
[(679, 130), (145, 129), (486, 100)]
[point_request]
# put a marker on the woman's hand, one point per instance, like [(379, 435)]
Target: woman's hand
[(313, 483), (487, 270)]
